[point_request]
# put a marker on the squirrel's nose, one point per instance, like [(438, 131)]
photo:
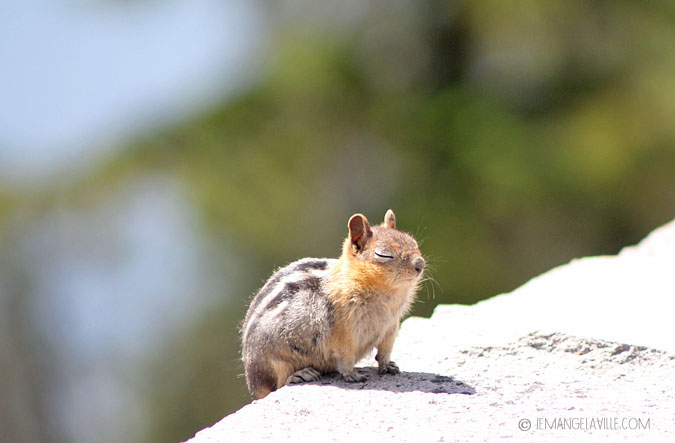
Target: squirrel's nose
[(419, 264)]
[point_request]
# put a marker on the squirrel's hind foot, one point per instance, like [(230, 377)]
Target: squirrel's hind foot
[(304, 375), (354, 376)]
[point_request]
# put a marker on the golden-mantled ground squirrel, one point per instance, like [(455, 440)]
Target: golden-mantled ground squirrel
[(319, 315)]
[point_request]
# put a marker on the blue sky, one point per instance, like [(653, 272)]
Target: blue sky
[(79, 78)]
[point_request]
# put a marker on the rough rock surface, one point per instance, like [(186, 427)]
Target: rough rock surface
[(585, 352)]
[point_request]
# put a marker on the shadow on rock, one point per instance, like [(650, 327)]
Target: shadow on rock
[(403, 382)]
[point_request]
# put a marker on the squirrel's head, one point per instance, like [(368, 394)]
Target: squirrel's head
[(383, 251)]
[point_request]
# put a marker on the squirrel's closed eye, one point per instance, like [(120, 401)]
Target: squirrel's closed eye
[(384, 254)]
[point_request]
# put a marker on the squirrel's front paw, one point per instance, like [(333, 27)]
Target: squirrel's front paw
[(354, 377), (389, 368)]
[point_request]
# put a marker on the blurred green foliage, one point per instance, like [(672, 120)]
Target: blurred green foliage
[(509, 138)]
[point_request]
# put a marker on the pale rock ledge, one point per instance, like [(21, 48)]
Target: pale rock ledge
[(584, 352)]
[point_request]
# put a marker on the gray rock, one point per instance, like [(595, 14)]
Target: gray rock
[(585, 352)]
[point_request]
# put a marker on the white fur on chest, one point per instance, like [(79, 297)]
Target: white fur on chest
[(378, 316)]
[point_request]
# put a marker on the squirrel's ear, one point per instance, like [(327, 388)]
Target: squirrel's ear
[(390, 219), (359, 231)]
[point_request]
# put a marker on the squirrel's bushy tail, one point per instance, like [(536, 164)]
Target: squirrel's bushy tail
[(260, 379)]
